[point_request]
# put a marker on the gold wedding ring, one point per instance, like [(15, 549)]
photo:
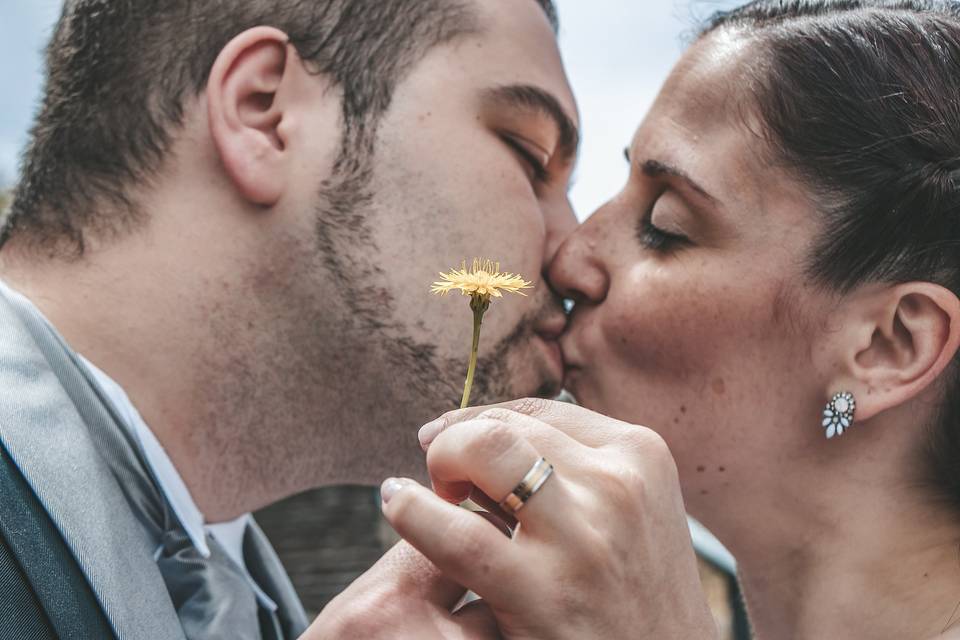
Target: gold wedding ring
[(531, 483)]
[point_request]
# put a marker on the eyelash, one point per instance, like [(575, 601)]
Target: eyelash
[(540, 173), (655, 238)]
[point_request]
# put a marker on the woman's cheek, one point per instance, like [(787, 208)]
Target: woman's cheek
[(668, 332), (667, 327)]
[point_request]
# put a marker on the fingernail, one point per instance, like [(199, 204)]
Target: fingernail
[(430, 431), (389, 488)]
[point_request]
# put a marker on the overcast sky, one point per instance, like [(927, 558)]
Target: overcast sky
[(618, 53)]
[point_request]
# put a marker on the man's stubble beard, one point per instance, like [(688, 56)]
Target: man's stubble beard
[(418, 383), (320, 383)]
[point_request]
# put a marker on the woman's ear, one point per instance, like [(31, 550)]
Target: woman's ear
[(894, 343), (248, 98)]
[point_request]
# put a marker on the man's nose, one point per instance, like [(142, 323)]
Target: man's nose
[(561, 222), (578, 271)]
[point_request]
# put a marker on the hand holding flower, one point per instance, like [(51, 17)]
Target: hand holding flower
[(604, 550)]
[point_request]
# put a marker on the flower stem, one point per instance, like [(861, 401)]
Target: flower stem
[(478, 311)]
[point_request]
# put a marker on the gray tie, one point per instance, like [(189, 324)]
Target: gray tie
[(212, 596)]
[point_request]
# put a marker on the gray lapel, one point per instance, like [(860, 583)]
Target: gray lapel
[(44, 431), (265, 567)]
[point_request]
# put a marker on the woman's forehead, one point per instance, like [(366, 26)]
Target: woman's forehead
[(705, 123), (693, 123), (712, 84)]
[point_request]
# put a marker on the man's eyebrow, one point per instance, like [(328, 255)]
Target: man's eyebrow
[(656, 169), (525, 96)]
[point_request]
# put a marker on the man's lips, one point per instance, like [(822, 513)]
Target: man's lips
[(555, 356), (549, 331), (551, 328)]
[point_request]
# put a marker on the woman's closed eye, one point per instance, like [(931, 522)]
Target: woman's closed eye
[(656, 239)]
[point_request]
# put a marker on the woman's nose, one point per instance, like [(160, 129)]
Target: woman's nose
[(577, 271)]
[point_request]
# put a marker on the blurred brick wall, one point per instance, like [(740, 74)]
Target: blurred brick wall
[(327, 538)]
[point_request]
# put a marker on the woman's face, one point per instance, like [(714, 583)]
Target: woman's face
[(693, 316)]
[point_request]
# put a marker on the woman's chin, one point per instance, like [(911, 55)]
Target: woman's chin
[(570, 381), (576, 384)]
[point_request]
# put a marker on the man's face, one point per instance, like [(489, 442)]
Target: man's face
[(456, 176), (473, 159)]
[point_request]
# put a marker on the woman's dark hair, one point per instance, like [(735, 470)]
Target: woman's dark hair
[(861, 100)]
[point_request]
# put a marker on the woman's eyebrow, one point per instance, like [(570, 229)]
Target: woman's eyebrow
[(655, 169)]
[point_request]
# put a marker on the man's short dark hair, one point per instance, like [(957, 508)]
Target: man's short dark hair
[(118, 74)]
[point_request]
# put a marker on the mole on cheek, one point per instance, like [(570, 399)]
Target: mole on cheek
[(701, 469), (719, 386)]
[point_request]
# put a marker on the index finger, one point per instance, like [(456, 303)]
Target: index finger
[(586, 427)]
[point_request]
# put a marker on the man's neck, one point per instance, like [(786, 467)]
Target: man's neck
[(144, 334)]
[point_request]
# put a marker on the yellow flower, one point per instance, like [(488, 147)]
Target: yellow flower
[(482, 280)]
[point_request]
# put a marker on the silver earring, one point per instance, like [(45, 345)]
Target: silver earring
[(838, 415)]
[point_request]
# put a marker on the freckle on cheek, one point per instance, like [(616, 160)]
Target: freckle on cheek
[(722, 469), (701, 469), (683, 409)]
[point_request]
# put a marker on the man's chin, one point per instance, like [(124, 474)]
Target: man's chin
[(549, 389), (545, 386), (520, 368)]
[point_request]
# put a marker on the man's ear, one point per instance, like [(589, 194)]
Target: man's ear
[(893, 343), (247, 98)]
